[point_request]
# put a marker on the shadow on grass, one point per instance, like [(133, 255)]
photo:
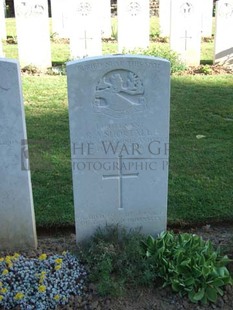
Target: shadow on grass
[(200, 175), (58, 64), (206, 62)]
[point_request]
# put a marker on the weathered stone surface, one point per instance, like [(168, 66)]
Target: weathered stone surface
[(223, 39), (164, 17), (106, 23), (33, 35), (133, 24), (119, 124), (207, 18), (61, 13), (17, 221), (2, 20), (185, 35), (85, 38)]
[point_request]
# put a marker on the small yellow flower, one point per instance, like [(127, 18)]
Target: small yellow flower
[(42, 257), (1, 298), (3, 290), (42, 288), (58, 261), (1, 259), (19, 296), (8, 259), (42, 278), (56, 297), (64, 253), (5, 271), (16, 256), (57, 267), (10, 265)]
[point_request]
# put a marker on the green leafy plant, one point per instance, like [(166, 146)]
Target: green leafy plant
[(205, 69), (189, 265), (116, 260), (154, 34), (163, 52), (114, 31)]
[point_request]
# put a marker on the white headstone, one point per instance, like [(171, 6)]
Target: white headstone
[(61, 12), (106, 19), (185, 36), (17, 221), (119, 126), (164, 17), (33, 36), (1, 49), (133, 24), (206, 18), (85, 39), (2, 20), (223, 36)]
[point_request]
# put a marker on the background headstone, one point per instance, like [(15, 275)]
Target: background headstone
[(223, 37), (17, 221), (119, 126), (164, 17), (2, 20), (133, 24), (106, 24), (1, 49), (33, 35), (206, 18), (85, 39), (61, 12), (185, 36)]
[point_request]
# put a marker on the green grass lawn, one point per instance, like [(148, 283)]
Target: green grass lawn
[(200, 178)]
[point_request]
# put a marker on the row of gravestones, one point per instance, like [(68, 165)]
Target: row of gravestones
[(119, 133), (84, 21), (183, 23)]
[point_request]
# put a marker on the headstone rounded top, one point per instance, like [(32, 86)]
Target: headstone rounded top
[(84, 8), (225, 9), (134, 8), (116, 57), (186, 9), (7, 67)]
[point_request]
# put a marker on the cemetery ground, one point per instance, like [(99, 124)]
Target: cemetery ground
[(200, 169)]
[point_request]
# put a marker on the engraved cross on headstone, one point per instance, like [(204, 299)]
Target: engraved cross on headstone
[(85, 41), (186, 37), (120, 176)]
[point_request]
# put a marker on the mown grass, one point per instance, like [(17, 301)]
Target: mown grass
[(200, 178), (200, 175)]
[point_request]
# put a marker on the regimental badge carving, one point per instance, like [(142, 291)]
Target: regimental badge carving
[(84, 8), (23, 9), (225, 9), (186, 9), (26, 9), (134, 8), (119, 93), (38, 9)]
